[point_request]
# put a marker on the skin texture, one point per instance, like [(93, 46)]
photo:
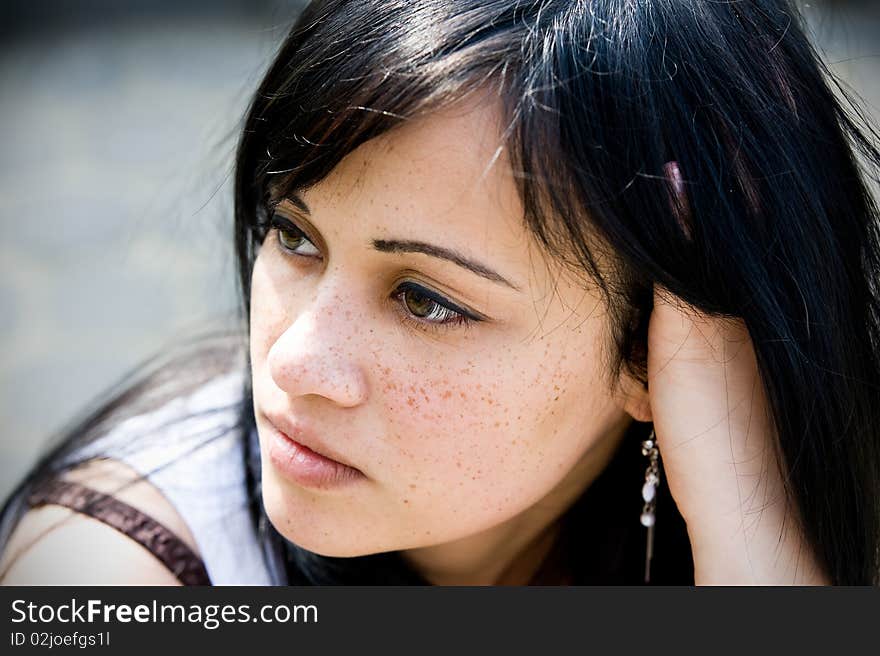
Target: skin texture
[(473, 440)]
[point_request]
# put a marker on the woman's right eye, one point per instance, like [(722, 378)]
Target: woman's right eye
[(291, 239)]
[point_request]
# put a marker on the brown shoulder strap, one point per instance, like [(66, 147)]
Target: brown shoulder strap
[(140, 527)]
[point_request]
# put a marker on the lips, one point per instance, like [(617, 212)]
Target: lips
[(299, 433)]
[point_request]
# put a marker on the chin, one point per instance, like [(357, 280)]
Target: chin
[(299, 519)]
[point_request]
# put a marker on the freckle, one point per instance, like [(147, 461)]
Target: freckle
[(461, 394), (447, 394), (406, 500), (412, 486), (458, 464), (497, 424)]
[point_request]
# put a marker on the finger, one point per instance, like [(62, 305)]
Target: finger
[(702, 379), (669, 304), (680, 330)]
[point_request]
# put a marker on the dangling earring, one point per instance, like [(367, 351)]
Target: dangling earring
[(649, 495)]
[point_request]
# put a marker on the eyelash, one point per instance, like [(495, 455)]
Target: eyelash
[(452, 315)]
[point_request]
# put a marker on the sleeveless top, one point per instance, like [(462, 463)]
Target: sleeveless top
[(192, 450)]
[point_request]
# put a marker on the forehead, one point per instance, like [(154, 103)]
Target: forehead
[(458, 149), (444, 178)]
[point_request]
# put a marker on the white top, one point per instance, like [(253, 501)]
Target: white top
[(197, 462)]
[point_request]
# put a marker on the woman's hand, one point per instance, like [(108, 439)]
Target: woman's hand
[(716, 440)]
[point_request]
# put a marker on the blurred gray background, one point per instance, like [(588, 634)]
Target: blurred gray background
[(117, 131), (118, 123)]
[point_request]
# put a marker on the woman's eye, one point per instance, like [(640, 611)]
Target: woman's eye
[(292, 239), (427, 309)]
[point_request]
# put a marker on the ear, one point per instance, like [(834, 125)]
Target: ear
[(634, 399)]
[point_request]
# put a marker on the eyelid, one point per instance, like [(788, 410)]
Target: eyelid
[(279, 218), (435, 287), (437, 298)]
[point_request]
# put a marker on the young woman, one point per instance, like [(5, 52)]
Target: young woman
[(537, 292)]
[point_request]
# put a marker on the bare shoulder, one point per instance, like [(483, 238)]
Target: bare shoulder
[(53, 545)]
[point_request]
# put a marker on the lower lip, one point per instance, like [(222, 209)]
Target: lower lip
[(302, 465)]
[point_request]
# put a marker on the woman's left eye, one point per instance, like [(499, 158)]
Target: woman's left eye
[(292, 239), (427, 309)]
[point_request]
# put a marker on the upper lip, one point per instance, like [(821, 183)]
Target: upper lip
[(298, 432)]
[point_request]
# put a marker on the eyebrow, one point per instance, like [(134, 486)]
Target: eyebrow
[(299, 202), (411, 246)]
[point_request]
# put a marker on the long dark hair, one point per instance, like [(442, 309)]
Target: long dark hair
[(597, 97)]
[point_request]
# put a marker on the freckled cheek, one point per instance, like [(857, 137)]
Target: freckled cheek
[(458, 425), (467, 451)]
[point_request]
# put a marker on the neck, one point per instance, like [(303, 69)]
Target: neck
[(525, 567)]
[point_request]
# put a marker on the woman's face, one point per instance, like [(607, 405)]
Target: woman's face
[(459, 428)]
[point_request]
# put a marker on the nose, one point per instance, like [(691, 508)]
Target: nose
[(316, 354)]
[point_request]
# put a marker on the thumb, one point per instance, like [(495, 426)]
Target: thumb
[(680, 334)]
